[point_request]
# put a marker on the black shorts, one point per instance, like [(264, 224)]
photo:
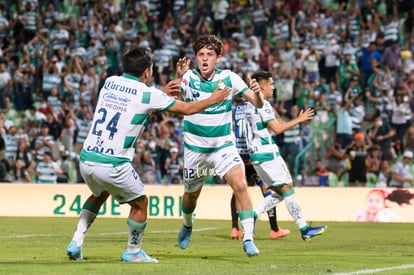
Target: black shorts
[(360, 177), (251, 176)]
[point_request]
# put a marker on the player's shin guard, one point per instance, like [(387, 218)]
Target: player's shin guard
[(294, 208), (135, 235), (247, 222), (268, 203), (87, 217)]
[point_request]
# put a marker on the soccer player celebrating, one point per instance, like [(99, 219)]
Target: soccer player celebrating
[(123, 109), (208, 136), (266, 159), (242, 133)]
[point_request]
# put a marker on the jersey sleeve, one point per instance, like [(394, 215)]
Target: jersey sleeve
[(266, 112), (161, 101), (238, 84)]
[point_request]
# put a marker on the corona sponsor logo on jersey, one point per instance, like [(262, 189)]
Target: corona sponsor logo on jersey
[(216, 108), (111, 85)]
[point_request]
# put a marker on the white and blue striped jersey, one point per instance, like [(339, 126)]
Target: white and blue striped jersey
[(242, 130), (210, 130), (122, 112)]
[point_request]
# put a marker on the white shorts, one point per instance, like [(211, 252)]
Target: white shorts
[(199, 166), (273, 172), (122, 182)]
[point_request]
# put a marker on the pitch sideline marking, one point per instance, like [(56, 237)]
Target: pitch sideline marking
[(107, 234), (377, 270)]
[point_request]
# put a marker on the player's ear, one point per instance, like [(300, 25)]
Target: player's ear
[(218, 58), (146, 75)]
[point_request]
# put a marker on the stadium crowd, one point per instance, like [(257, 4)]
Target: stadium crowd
[(351, 60)]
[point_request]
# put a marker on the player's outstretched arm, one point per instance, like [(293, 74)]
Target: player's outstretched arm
[(278, 128), (188, 108)]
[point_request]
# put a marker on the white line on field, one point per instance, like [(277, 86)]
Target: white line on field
[(377, 270), (106, 234)]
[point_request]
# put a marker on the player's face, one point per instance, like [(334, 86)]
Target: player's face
[(207, 60), (267, 87)]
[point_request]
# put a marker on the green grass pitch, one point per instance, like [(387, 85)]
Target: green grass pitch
[(37, 246)]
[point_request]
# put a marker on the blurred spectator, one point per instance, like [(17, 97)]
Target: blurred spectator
[(19, 173), (312, 69), (401, 116), (332, 57), (44, 143), (260, 16), (47, 170), (292, 142), (25, 156), (219, 10), (83, 123), (174, 166), (24, 85), (231, 22), (357, 153), (10, 137), (401, 176), (64, 163), (335, 159), (382, 133), (344, 124), (5, 85), (370, 58), (384, 175), (143, 161), (333, 99), (409, 138), (346, 71)]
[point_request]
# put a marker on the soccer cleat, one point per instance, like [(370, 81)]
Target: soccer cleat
[(235, 234), (137, 257), (279, 234), (311, 232), (74, 252), (250, 248), (184, 236)]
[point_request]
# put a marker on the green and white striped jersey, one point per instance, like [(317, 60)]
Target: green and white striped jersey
[(263, 143), (47, 173), (211, 129), (122, 112)]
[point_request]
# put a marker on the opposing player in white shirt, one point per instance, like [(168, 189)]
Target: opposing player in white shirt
[(266, 159), (124, 106), (208, 137)]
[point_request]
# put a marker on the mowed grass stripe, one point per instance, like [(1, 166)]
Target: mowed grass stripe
[(343, 248)]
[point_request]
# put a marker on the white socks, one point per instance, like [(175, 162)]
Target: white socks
[(86, 218)]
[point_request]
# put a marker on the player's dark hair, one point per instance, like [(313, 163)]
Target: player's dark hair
[(136, 60), (210, 41), (261, 75)]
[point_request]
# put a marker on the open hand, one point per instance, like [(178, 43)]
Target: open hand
[(183, 65), (306, 115), (172, 89), (219, 94)]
